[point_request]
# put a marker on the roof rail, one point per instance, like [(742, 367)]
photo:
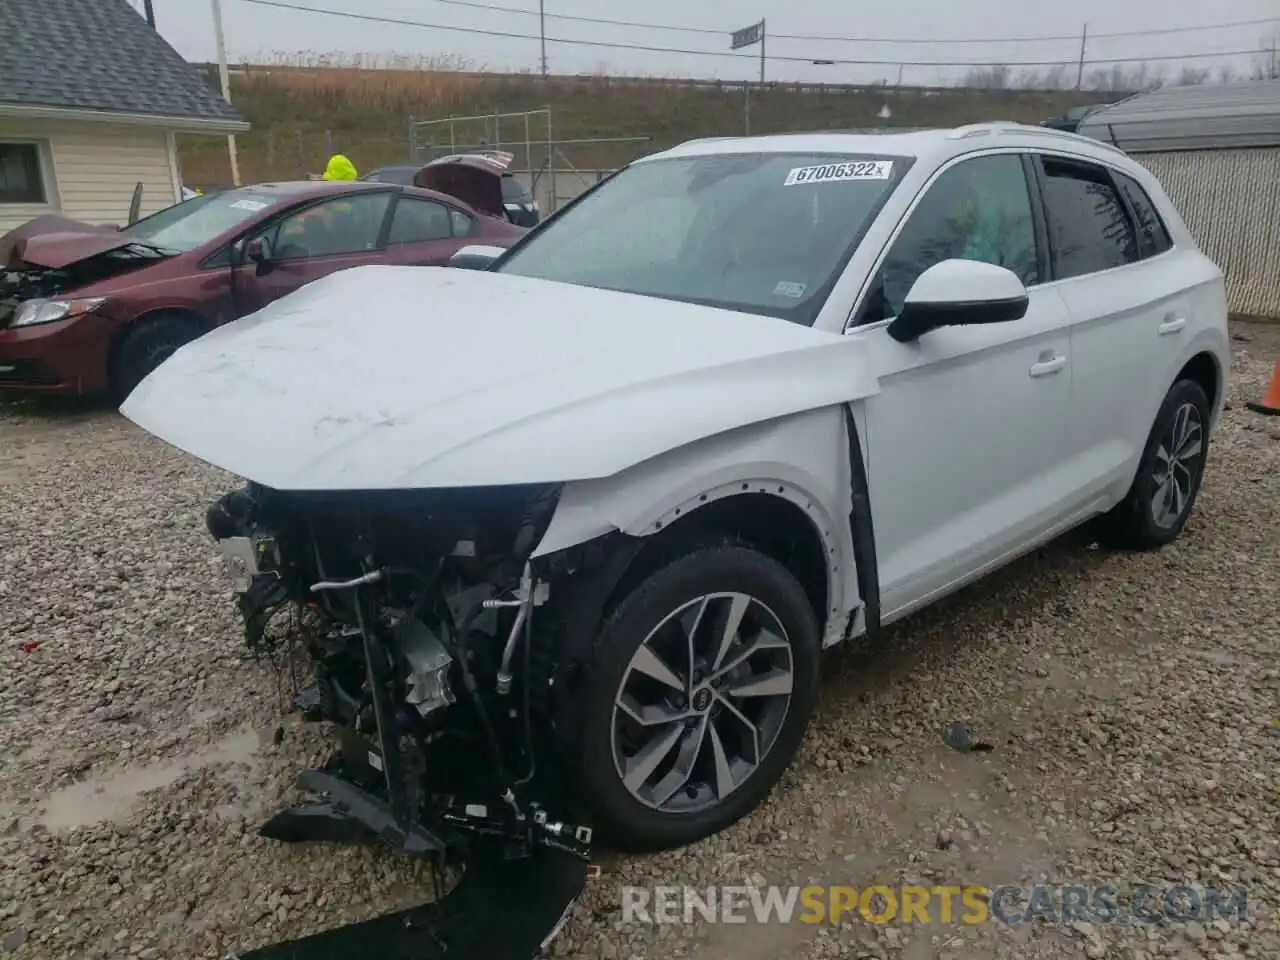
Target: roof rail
[(1071, 135), (995, 127)]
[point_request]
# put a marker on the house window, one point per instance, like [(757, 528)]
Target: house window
[(21, 180)]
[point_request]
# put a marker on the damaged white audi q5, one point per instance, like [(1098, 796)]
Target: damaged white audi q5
[(567, 534)]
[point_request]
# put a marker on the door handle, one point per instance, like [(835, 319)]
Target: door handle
[(1171, 324), (1043, 368)]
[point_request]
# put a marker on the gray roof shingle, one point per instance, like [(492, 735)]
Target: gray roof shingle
[(98, 55)]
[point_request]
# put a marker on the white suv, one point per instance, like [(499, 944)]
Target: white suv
[(746, 399)]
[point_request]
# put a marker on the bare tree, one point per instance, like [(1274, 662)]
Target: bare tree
[(1266, 62), (1190, 76), (993, 77)]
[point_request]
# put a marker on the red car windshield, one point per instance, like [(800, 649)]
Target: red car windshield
[(760, 233), (188, 225)]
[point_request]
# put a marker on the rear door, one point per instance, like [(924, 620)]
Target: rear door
[(1114, 265), (426, 232), (306, 244)]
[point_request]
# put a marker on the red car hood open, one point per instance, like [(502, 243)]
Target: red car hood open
[(53, 241), (474, 178)]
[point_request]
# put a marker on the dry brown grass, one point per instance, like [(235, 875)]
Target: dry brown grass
[(364, 104)]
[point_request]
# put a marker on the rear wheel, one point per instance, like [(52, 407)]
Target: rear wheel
[(702, 683), (146, 346), (1169, 473)]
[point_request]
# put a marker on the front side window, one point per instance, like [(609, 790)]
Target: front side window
[(979, 209), (1155, 237), (760, 233), (1089, 229), (343, 225)]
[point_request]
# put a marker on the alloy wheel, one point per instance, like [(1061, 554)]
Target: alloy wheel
[(702, 702), (1177, 464)]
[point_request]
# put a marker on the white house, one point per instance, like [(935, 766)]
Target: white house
[(90, 101)]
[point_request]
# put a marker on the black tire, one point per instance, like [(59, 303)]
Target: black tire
[(621, 818), (1133, 523), (148, 344)]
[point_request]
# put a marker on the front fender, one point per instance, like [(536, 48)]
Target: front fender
[(797, 458)]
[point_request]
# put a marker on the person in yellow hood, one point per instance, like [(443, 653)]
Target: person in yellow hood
[(340, 168)]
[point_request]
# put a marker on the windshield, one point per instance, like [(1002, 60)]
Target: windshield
[(761, 233), (193, 223)]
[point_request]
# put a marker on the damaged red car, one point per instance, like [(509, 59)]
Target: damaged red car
[(88, 310)]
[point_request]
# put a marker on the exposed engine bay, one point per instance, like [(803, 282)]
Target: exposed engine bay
[(21, 281), (417, 613)]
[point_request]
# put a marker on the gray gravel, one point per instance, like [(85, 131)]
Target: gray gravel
[(1131, 701)]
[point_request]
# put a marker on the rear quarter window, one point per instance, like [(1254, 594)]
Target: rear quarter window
[(1151, 229)]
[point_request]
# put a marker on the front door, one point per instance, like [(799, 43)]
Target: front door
[(965, 438), (320, 239)]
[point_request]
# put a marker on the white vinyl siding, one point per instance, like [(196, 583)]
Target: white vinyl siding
[(1230, 201), (94, 168)]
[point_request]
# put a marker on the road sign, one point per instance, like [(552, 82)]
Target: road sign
[(747, 36)]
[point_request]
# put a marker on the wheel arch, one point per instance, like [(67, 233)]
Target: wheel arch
[(795, 488), (194, 317), (1204, 368)]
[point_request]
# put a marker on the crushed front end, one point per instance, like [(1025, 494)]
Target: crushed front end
[(416, 612)]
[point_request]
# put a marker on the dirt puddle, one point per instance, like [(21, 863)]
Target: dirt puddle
[(108, 797)]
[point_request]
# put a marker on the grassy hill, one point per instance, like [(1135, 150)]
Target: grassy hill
[(367, 115)]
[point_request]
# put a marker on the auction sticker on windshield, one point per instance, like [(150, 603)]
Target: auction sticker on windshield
[(251, 205), (834, 172)]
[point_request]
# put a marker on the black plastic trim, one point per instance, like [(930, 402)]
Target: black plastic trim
[(861, 528)]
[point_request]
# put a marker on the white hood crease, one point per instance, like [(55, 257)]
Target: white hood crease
[(383, 377)]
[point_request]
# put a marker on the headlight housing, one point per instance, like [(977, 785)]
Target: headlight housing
[(34, 312)]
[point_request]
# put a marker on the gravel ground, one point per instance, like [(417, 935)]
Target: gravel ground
[(1131, 702)]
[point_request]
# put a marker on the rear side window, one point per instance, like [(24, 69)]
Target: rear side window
[(1155, 238), (417, 221), (1089, 228)]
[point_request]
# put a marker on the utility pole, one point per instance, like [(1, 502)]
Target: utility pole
[(150, 13), (762, 51), (1084, 39), (745, 38), (542, 34), (220, 44)]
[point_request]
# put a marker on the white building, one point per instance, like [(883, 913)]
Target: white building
[(90, 101)]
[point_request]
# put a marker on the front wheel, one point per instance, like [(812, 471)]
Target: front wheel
[(701, 685), (149, 344), (1169, 473)]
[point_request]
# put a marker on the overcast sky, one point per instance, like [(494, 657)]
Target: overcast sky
[(256, 32)]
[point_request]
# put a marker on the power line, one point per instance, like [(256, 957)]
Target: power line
[(680, 28), (613, 45)]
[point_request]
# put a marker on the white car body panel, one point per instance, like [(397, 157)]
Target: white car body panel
[(975, 450), (802, 459), (505, 381)]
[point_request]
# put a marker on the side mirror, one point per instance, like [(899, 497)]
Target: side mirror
[(476, 257), (957, 293)]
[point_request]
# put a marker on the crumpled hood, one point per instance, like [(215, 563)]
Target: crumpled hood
[(381, 377), (55, 241)]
